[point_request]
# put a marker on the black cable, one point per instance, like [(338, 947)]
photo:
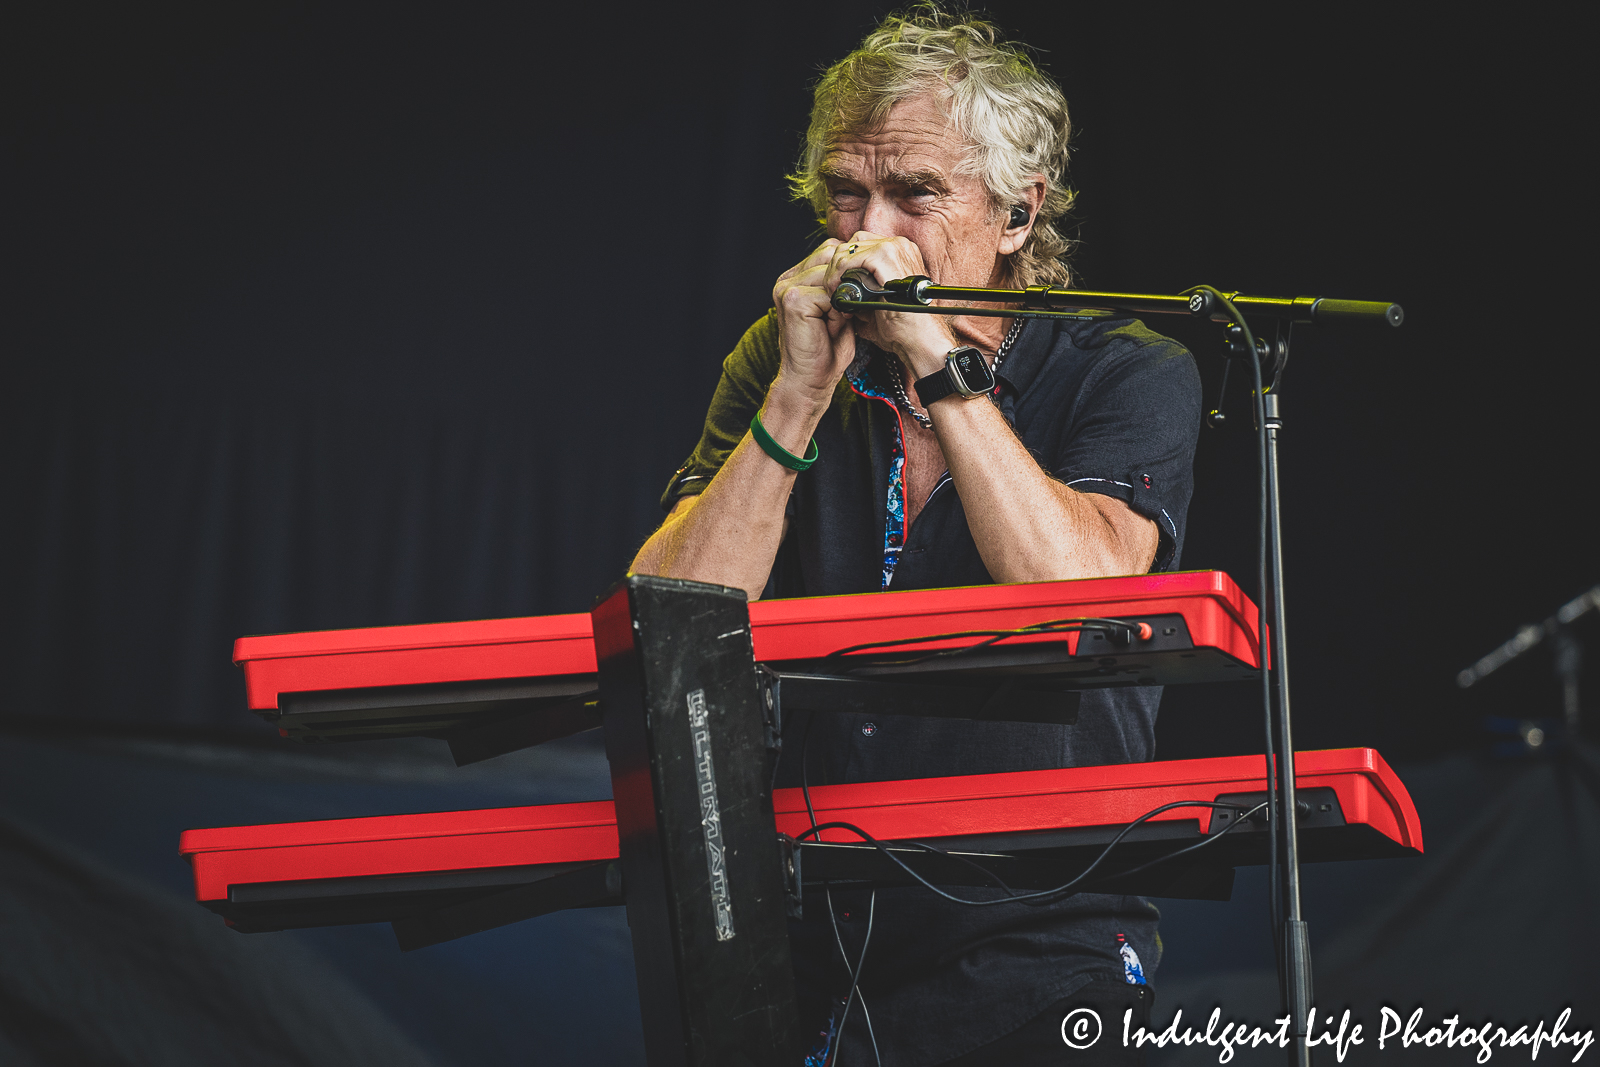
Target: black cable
[(974, 864), (872, 1035), (1042, 895), (1190, 848), (1054, 626), (855, 979), (1274, 861), (1120, 874), (805, 777), (1258, 401), (872, 905)]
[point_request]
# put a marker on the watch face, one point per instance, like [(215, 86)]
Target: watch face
[(975, 373)]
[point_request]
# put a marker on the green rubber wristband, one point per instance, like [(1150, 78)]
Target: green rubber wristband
[(777, 451)]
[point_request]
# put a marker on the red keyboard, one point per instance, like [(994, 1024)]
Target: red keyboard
[(434, 679), (1039, 827)]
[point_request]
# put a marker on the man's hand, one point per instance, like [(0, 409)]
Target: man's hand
[(920, 340), (816, 342)]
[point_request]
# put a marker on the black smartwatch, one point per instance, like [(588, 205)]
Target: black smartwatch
[(965, 372)]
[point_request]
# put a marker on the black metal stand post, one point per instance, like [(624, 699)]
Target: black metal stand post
[(688, 743), (1295, 938)]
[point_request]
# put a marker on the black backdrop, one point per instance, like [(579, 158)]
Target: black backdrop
[(327, 317)]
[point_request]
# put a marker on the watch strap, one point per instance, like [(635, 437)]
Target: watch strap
[(935, 386)]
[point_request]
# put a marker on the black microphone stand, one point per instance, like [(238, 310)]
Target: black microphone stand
[(856, 293)]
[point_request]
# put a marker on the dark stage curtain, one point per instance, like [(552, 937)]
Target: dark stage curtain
[(338, 321), (161, 531), (109, 971)]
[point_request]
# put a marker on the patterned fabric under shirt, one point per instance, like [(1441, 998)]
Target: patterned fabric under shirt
[(894, 527)]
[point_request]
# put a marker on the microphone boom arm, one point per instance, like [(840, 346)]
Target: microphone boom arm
[(917, 294)]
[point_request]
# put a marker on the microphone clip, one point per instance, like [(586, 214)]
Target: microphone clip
[(856, 287), (1271, 354)]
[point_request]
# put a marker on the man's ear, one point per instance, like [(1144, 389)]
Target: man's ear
[(1021, 216)]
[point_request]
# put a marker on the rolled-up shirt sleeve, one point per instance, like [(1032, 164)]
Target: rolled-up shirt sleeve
[(746, 375), (1132, 436)]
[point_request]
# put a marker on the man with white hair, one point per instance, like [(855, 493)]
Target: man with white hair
[(853, 453)]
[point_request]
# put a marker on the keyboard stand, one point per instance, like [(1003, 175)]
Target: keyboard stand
[(691, 748)]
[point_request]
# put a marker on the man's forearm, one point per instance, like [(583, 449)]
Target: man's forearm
[(730, 534), (1029, 527)]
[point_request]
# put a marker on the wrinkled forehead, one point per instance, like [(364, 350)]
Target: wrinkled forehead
[(915, 142)]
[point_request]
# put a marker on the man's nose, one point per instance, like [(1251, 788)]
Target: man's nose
[(880, 216)]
